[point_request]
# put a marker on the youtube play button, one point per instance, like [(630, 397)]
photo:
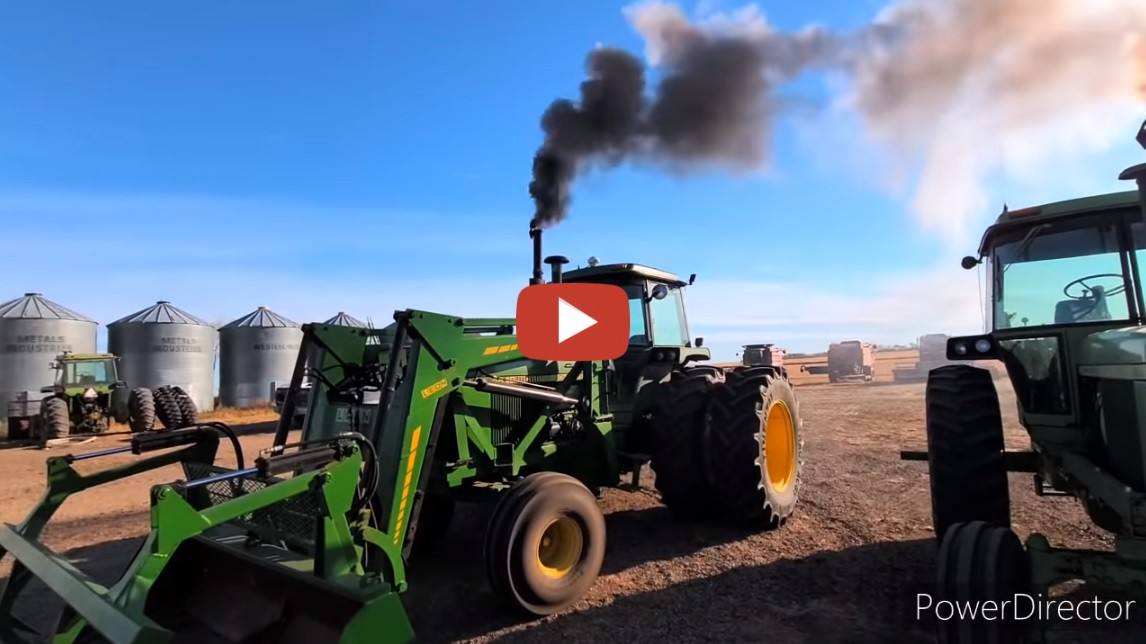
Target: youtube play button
[(572, 322)]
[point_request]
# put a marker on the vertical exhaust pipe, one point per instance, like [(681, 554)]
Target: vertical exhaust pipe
[(535, 234), (555, 263), (1138, 172)]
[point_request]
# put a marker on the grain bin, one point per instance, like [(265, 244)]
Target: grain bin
[(162, 345), (340, 319), (33, 331), (254, 351)]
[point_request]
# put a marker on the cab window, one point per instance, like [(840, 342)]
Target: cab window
[(88, 373), (638, 335), (668, 319), (1047, 276)]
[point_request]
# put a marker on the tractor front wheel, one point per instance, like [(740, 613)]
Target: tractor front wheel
[(54, 416), (965, 454), (678, 441), (980, 562), (545, 543), (755, 447), (141, 410), (167, 408), (188, 413)]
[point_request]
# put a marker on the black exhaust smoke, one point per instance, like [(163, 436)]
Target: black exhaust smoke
[(713, 105)]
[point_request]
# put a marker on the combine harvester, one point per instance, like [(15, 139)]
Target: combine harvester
[(848, 361), (932, 355), (309, 543), (1078, 368)]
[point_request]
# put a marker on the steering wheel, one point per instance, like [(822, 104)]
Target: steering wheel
[(1082, 282)]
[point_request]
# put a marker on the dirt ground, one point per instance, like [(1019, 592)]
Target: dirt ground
[(846, 568)]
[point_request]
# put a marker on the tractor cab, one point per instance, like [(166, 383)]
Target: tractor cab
[(1061, 278), (77, 371), (659, 339)]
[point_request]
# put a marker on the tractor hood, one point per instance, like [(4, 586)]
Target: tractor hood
[(1114, 353)]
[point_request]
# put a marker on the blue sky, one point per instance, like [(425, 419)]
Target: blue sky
[(368, 156)]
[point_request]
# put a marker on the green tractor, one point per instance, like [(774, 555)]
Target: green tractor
[(87, 394), (312, 540), (1069, 325)]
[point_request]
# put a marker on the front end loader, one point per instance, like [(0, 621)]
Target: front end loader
[(310, 544), (1069, 325)]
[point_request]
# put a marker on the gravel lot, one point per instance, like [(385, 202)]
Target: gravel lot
[(846, 568)]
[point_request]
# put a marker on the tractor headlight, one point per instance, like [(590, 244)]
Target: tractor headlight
[(983, 345), (961, 348)]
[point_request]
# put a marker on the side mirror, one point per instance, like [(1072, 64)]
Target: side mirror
[(699, 342), (969, 262), (692, 279), (660, 292)]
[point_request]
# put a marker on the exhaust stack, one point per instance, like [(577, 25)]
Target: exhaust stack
[(1138, 172), (535, 235)]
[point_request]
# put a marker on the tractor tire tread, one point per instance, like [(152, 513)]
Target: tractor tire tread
[(167, 408), (965, 449), (188, 413), (678, 444), (141, 410), (734, 446), (54, 412)]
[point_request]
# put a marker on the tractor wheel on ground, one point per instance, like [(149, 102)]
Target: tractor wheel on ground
[(545, 543), (755, 448), (141, 410), (967, 463), (167, 408), (980, 562), (433, 522), (188, 414), (54, 418), (678, 441)]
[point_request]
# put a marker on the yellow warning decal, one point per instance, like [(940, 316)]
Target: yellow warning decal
[(414, 438), (434, 388), (505, 348)]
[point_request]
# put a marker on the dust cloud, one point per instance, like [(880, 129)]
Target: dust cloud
[(948, 84)]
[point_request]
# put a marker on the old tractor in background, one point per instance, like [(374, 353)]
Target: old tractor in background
[(847, 361), (1073, 272), (762, 355), (87, 395), (311, 541)]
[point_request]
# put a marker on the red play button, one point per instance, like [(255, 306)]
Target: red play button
[(573, 322)]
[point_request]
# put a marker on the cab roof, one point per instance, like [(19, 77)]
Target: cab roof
[(590, 273), (1023, 217)]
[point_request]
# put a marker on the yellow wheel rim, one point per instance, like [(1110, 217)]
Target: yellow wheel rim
[(559, 548), (780, 446)]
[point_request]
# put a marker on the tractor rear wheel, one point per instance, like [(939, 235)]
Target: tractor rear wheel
[(755, 447), (980, 562), (678, 441), (188, 414), (167, 408), (965, 449), (55, 421), (545, 543), (141, 410)]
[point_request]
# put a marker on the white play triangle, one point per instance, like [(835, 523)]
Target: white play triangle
[(571, 320)]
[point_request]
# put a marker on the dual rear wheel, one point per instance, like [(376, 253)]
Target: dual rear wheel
[(728, 445)]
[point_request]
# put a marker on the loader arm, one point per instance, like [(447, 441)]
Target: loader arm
[(443, 351)]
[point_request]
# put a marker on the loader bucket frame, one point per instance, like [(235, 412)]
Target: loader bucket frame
[(189, 518)]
